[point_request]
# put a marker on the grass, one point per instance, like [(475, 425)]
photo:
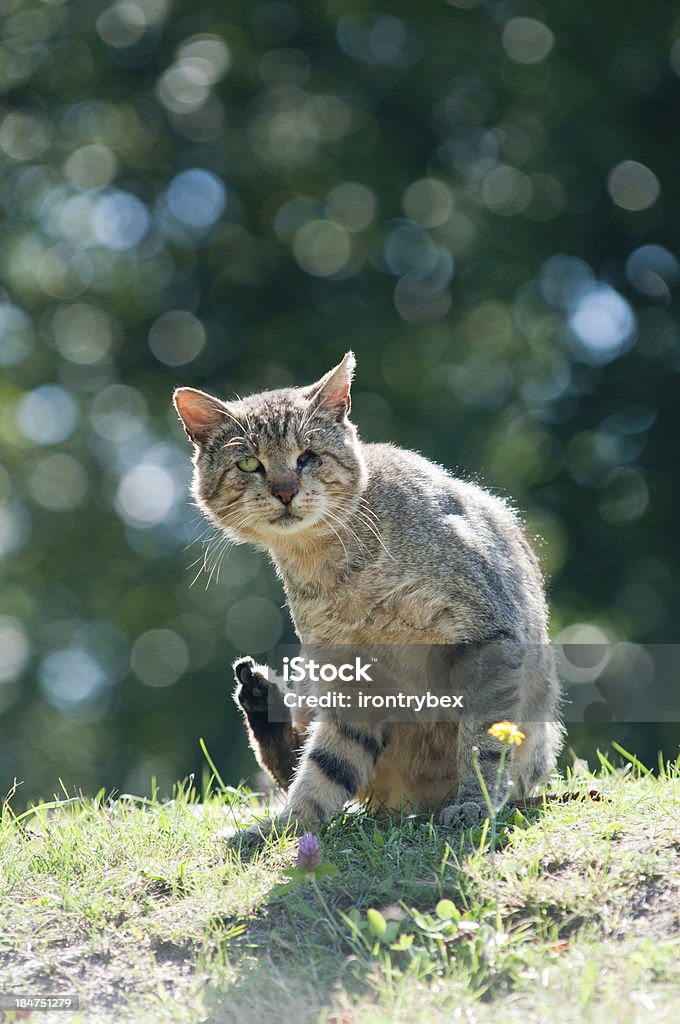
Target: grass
[(140, 907)]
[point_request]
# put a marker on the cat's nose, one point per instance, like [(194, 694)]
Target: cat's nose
[(285, 492)]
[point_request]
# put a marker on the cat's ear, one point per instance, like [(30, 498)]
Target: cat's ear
[(201, 414), (332, 392)]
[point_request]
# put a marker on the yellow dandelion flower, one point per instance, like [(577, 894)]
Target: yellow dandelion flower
[(507, 732)]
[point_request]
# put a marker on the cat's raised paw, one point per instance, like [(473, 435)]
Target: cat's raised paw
[(465, 815), (252, 689)]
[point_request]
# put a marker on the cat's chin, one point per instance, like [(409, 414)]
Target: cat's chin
[(286, 525), (267, 533)]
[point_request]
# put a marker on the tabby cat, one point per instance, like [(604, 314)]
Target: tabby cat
[(377, 545)]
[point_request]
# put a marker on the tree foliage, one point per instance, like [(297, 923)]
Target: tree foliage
[(479, 199)]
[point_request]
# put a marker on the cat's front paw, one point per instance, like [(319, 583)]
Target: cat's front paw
[(256, 836), (465, 815), (249, 840), (252, 688)]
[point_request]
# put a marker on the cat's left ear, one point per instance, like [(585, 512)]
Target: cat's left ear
[(201, 414), (332, 392)]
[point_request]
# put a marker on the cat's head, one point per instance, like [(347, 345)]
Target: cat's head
[(268, 467)]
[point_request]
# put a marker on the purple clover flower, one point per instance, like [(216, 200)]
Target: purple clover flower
[(309, 854)]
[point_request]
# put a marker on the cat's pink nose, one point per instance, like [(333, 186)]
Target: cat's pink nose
[(285, 492)]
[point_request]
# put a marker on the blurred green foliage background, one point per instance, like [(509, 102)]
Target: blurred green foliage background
[(481, 199)]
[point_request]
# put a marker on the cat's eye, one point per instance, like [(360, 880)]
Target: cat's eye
[(250, 465), (308, 458)]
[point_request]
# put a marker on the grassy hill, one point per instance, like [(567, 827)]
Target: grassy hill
[(142, 909)]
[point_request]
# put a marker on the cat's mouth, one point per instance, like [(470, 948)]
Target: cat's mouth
[(288, 522), (284, 518)]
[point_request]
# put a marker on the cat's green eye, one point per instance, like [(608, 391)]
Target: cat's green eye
[(249, 465)]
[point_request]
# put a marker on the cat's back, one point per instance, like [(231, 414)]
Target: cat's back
[(408, 487), (458, 534)]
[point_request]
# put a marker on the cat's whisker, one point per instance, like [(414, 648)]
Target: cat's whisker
[(245, 416), (226, 511), (349, 512), (214, 552), (213, 545), (219, 567), (225, 508), (228, 415), (247, 516), (330, 525), (224, 543), (203, 568), (376, 533), (201, 558), (367, 523), (308, 433), (310, 414), (348, 529), (214, 538), (217, 563), (367, 508), (213, 555), (197, 540)]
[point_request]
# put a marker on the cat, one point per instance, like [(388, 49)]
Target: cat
[(377, 545)]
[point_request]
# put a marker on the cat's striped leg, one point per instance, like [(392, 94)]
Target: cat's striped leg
[(338, 761)]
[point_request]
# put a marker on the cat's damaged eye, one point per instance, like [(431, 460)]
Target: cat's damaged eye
[(308, 458), (250, 465)]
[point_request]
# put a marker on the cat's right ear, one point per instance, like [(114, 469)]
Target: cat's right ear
[(201, 414), (332, 392)]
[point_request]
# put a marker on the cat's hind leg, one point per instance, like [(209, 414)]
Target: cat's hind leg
[(489, 675), (471, 806), (274, 739), (536, 759)]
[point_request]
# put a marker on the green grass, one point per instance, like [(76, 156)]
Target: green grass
[(142, 909)]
